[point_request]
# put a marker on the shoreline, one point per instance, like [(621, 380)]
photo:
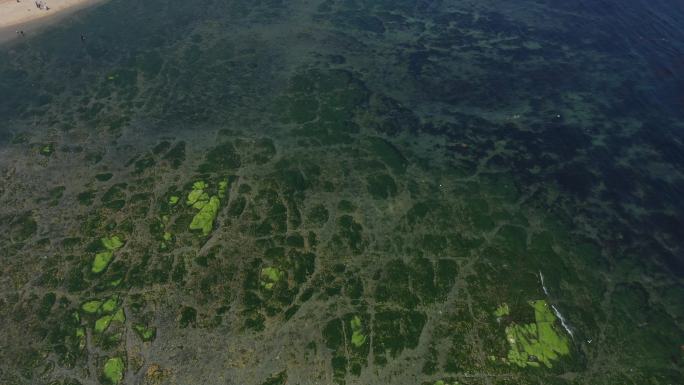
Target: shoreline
[(27, 17)]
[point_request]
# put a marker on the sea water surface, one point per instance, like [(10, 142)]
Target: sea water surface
[(345, 192)]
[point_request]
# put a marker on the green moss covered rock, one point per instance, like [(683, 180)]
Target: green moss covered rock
[(204, 219), (536, 343), (113, 370)]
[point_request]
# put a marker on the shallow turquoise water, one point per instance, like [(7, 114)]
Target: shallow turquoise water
[(396, 171)]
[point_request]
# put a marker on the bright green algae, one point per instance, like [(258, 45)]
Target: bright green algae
[(208, 206), (146, 333), (119, 316), (112, 243), (91, 306), (114, 370), (357, 338), (102, 259), (109, 305), (222, 187), (204, 219), (197, 198), (270, 276), (538, 342), (102, 323), (502, 311)]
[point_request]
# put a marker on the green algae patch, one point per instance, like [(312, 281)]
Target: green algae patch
[(502, 311), (204, 219), (103, 258), (101, 261), (222, 188), (208, 207), (102, 323), (114, 370), (91, 306), (47, 150), (357, 338), (270, 276), (80, 335), (109, 305), (112, 243), (119, 316), (536, 343), (145, 333), (173, 200), (198, 198)]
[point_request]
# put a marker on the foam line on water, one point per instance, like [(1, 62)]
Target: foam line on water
[(555, 309)]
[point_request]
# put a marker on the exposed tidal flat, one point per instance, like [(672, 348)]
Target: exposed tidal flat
[(343, 192)]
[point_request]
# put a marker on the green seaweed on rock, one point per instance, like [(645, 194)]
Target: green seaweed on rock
[(47, 149), (538, 342), (91, 306), (113, 370), (102, 259), (208, 207), (119, 316), (102, 323), (109, 305), (197, 198), (270, 276), (145, 333), (222, 188), (357, 338), (502, 310), (112, 243), (204, 219)]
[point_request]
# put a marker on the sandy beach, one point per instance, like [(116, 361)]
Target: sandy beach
[(27, 16)]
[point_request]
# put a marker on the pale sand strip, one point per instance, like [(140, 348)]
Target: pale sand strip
[(26, 16)]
